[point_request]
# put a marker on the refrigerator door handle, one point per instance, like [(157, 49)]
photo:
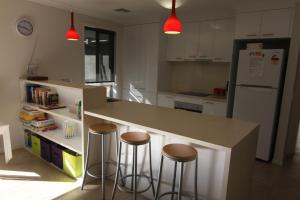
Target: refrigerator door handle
[(256, 86), (259, 89)]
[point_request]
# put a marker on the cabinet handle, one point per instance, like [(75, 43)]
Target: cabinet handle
[(208, 102), (203, 56), (251, 35), (268, 34)]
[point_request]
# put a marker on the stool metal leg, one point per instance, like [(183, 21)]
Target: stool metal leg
[(196, 178), (117, 142), (135, 172), (159, 177), (174, 180), (151, 174), (180, 181), (117, 150), (86, 160), (102, 170), (117, 173), (132, 169)]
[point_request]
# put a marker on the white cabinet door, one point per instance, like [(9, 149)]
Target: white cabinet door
[(151, 55), (276, 23), (206, 40), (248, 25), (220, 109), (141, 57), (150, 98), (208, 107), (175, 47), (223, 42), (134, 60), (165, 100), (215, 108), (134, 95), (191, 39)]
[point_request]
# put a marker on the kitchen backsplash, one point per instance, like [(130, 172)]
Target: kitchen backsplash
[(198, 76)]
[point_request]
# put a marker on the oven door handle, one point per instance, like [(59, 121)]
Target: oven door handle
[(178, 108)]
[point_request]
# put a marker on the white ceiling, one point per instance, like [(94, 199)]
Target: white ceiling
[(153, 10)]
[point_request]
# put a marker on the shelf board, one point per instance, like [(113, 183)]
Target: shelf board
[(57, 83), (74, 144), (61, 112)]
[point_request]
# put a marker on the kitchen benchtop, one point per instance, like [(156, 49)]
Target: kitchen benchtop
[(210, 131), (207, 98)]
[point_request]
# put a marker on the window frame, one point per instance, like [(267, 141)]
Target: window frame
[(112, 59)]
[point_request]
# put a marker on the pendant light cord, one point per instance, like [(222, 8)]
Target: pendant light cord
[(72, 19), (173, 7)]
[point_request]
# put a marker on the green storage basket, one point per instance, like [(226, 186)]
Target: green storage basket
[(36, 145), (72, 163)]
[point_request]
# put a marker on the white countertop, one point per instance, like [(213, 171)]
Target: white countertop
[(210, 131), (207, 98)]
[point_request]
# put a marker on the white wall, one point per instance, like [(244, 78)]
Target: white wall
[(58, 58), (198, 76)]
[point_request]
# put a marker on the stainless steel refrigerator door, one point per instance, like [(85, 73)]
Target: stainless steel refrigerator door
[(260, 68), (257, 105)]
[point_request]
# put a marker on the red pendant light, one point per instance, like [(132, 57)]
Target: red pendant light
[(173, 25), (72, 33)]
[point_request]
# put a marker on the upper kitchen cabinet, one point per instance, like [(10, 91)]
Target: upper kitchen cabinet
[(223, 42), (191, 38), (209, 40), (267, 24), (141, 57), (175, 47), (248, 25), (276, 23), (206, 40)]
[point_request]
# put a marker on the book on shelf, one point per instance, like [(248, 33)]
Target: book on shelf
[(41, 95)]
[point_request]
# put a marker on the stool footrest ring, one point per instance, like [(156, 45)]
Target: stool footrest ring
[(126, 189), (113, 163)]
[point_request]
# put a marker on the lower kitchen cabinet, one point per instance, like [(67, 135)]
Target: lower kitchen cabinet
[(139, 96), (215, 108), (166, 100)]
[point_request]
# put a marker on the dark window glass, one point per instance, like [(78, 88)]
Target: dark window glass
[(99, 55)]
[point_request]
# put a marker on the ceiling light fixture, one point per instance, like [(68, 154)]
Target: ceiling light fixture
[(72, 33), (173, 25)]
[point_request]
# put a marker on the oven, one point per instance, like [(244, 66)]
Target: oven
[(188, 106)]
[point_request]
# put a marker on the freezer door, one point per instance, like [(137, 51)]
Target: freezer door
[(257, 105), (260, 68)]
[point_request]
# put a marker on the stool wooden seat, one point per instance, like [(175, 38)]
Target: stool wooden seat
[(135, 138), (179, 152), (102, 128)]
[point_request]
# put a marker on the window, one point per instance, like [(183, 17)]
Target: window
[(99, 55)]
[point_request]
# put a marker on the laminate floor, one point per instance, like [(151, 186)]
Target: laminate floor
[(28, 177)]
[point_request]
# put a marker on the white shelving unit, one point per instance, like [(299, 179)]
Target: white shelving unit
[(61, 112), (74, 144), (69, 93)]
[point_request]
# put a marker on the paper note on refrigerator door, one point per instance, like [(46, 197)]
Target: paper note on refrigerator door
[(256, 63)]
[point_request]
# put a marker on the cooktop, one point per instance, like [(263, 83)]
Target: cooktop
[(198, 94)]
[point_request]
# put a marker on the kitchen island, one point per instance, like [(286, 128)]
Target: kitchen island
[(226, 147)]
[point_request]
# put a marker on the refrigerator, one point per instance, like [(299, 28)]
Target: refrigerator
[(257, 92)]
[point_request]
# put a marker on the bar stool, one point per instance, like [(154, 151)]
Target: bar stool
[(134, 139), (178, 153), (99, 129)]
